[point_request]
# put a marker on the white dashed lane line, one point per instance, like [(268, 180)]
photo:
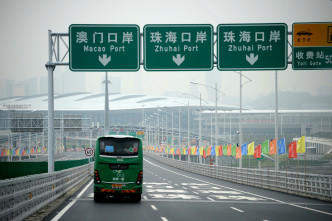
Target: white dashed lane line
[(154, 207), (237, 209)]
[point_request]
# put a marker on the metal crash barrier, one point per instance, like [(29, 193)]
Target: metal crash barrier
[(21, 197), (309, 185)]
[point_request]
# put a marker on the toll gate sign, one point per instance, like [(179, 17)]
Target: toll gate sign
[(104, 47), (312, 46)]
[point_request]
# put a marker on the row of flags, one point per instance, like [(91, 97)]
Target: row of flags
[(25, 151), (268, 147)]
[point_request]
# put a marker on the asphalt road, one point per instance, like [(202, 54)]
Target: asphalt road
[(172, 194)]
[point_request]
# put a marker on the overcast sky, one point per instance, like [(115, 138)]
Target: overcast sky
[(25, 24)]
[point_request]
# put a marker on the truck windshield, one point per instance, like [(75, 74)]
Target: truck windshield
[(118, 146)]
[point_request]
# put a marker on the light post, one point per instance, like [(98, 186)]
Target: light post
[(200, 114), (106, 113), (172, 129), (240, 115), (188, 136), (216, 103)]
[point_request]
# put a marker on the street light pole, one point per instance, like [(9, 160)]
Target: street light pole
[(216, 121), (216, 103), (107, 121), (179, 143), (200, 120), (188, 127)]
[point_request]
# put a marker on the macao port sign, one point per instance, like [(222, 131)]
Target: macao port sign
[(178, 47), (104, 47)]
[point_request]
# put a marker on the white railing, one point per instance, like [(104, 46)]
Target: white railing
[(309, 185), (21, 197)]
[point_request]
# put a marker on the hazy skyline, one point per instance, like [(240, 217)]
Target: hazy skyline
[(25, 25)]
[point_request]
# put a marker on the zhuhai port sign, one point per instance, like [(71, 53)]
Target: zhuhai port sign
[(178, 47), (252, 47)]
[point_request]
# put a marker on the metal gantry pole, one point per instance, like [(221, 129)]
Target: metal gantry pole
[(50, 68), (276, 121), (240, 118), (107, 121)]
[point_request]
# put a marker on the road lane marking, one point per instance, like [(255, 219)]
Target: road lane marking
[(154, 207), (145, 197), (64, 210), (237, 209), (268, 198), (210, 199), (165, 191), (164, 219)]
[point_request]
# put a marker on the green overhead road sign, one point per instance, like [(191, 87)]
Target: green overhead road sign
[(312, 46), (104, 48), (252, 47), (178, 47)]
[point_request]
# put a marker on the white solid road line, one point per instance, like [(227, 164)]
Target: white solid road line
[(154, 207), (164, 219), (237, 209), (268, 198), (64, 210)]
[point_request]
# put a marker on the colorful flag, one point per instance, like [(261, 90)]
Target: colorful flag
[(273, 147), (193, 150), (239, 152), (209, 151), (251, 148), (244, 149), (204, 154), (229, 150), (265, 147), (178, 151), (213, 151), (292, 150), (234, 150), (282, 146), (258, 151), (225, 150), (300, 148), (197, 151), (201, 150), (220, 150), (189, 151)]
